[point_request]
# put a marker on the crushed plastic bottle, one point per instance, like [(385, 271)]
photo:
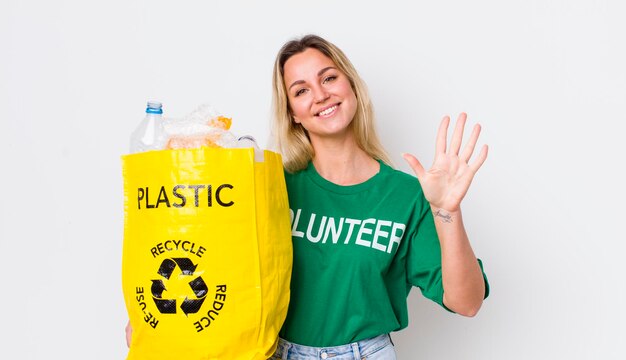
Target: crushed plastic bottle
[(248, 141), (150, 134)]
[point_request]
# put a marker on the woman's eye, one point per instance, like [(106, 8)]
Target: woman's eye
[(329, 78), (300, 92)]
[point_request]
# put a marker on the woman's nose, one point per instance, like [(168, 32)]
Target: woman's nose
[(321, 95)]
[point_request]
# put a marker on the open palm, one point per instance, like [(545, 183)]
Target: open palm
[(447, 181)]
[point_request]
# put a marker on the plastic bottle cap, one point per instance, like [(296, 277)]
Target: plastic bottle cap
[(154, 107)]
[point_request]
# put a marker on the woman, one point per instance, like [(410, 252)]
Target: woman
[(363, 233)]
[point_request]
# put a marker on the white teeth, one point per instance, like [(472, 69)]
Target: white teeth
[(328, 111)]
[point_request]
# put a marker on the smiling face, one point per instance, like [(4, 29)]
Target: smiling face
[(320, 95)]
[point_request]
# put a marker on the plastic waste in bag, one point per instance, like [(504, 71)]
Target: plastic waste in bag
[(202, 127)]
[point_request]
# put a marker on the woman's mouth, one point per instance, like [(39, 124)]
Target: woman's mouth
[(329, 111)]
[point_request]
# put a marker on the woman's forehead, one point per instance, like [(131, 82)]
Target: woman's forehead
[(306, 64)]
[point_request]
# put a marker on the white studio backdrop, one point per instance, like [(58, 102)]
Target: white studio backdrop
[(546, 80)]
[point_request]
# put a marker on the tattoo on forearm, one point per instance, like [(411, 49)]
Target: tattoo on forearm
[(444, 217)]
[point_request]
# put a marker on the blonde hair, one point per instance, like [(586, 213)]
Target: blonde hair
[(291, 139)]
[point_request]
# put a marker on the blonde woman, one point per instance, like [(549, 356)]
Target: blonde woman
[(364, 233)]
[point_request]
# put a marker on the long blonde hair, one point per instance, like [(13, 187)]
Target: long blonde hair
[(291, 139)]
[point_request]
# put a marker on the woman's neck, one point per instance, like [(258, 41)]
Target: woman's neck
[(342, 162)]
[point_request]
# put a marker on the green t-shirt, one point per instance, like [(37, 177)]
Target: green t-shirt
[(358, 250)]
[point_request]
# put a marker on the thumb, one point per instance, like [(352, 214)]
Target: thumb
[(415, 165)]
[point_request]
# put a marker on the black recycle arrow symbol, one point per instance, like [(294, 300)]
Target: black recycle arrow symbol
[(188, 306)]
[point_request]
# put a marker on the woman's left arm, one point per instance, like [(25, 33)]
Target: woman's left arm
[(445, 185)]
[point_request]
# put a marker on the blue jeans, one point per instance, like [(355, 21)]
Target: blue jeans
[(376, 348)]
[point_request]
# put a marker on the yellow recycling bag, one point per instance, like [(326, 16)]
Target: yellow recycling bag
[(207, 253)]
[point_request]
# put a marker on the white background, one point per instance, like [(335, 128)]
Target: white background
[(546, 79)]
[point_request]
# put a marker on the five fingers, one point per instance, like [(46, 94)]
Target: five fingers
[(441, 147)]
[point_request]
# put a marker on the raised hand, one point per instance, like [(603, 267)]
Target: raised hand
[(447, 181)]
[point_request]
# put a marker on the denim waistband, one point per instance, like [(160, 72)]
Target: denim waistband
[(357, 350)]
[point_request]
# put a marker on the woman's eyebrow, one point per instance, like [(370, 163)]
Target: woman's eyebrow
[(319, 73), (295, 83)]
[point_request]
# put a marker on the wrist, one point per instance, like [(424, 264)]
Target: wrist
[(444, 215)]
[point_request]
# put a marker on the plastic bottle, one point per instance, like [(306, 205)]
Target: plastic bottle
[(248, 141), (150, 134)]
